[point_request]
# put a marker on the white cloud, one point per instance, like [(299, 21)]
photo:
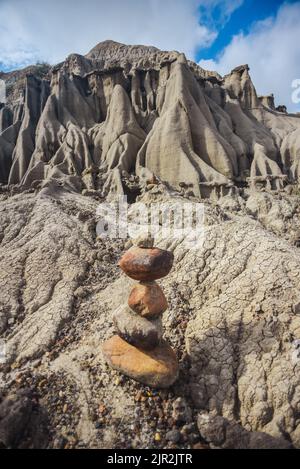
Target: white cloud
[(226, 8), (272, 51), (50, 30)]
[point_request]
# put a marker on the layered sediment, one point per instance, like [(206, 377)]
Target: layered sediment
[(95, 122)]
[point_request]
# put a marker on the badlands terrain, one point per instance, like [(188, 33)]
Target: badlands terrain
[(151, 125)]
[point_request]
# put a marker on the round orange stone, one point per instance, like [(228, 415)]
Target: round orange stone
[(147, 299), (157, 367)]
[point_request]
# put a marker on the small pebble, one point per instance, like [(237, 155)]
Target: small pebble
[(189, 428), (173, 436), (102, 409), (194, 437)]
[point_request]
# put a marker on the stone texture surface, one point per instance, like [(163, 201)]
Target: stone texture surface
[(146, 265), (233, 315), (221, 433), (157, 367), (147, 299), (137, 330)]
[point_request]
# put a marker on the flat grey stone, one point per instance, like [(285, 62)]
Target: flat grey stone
[(137, 330)]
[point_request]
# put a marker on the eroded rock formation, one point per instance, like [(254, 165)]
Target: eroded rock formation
[(142, 122), (96, 120)]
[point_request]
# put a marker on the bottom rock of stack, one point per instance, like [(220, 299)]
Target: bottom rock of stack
[(157, 367)]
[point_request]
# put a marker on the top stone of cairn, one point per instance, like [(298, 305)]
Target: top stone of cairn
[(143, 241)]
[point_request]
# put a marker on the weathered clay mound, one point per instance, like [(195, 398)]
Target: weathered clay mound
[(137, 121), (123, 111)]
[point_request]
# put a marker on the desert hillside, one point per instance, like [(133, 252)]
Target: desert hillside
[(157, 128)]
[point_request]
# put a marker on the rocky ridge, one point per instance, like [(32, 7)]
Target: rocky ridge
[(112, 120), (99, 129)]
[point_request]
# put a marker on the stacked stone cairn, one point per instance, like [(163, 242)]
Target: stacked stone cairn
[(138, 350)]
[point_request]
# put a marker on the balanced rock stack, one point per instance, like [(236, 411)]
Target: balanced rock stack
[(138, 350)]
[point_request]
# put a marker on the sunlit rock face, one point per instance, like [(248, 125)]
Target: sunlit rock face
[(93, 121), (149, 124)]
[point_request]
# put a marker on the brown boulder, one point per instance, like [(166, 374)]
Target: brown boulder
[(147, 299), (146, 264), (157, 368)]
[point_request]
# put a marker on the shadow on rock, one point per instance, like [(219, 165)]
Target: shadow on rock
[(23, 422), (221, 433)]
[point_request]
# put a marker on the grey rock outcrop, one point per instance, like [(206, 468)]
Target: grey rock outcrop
[(96, 120)]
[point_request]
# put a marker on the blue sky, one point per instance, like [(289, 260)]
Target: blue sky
[(242, 19), (218, 34)]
